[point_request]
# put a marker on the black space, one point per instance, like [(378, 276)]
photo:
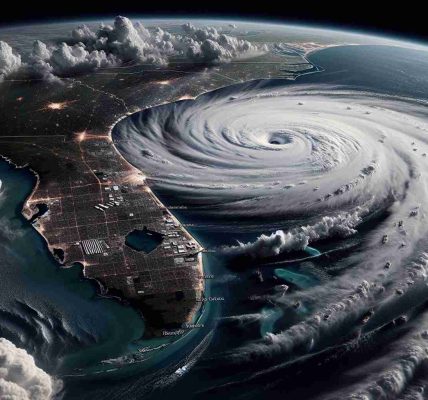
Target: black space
[(393, 18)]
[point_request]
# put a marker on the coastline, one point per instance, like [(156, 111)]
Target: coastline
[(28, 210), (201, 309), (137, 171)]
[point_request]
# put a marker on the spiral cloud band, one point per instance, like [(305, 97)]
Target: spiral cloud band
[(308, 163), (268, 152)]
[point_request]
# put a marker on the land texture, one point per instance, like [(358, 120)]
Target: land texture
[(88, 198)]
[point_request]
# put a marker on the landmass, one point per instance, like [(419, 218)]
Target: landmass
[(88, 198)]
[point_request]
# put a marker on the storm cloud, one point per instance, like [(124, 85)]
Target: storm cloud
[(10, 62), (122, 42), (20, 378), (342, 225), (212, 46)]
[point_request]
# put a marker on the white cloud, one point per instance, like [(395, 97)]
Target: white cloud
[(40, 51), (77, 59), (298, 238), (65, 59), (20, 378), (9, 61), (210, 45), (122, 42), (38, 65), (127, 42), (82, 34)]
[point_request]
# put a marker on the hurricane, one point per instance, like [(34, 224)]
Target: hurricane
[(298, 165), (270, 153)]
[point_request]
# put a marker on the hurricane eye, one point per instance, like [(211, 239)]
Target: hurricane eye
[(280, 138)]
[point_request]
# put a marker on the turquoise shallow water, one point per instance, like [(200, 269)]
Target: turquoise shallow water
[(312, 251), (302, 281)]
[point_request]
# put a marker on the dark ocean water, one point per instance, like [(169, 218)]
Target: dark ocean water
[(58, 317), (53, 312)]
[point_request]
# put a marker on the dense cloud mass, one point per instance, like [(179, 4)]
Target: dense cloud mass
[(9, 61), (20, 378), (112, 45), (342, 170), (297, 239), (66, 60), (396, 378), (262, 155), (209, 45)]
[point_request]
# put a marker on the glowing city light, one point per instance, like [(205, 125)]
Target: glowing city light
[(57, 106), (80, 136), (187, 97)]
